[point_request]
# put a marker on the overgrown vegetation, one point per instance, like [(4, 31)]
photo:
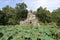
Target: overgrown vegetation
[(43, 15), (12, 16), (30, 32), (46, 16)]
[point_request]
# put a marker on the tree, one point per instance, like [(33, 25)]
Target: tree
[(43, 15), (21, 11), (10, 13), (21, 6), (56, 16), (3, 20), (14, 15)]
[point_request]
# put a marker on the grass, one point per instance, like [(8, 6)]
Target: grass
[(29, 32)]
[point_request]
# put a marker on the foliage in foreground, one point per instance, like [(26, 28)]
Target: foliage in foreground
[(29, 32)]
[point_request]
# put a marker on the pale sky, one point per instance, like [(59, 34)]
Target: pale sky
[(33, 4)]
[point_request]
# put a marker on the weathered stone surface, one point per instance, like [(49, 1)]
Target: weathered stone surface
[(31, 19)]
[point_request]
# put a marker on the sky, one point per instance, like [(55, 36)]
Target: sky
[(32, 4)]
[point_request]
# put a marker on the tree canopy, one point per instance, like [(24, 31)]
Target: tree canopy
[(43, 15), (9, 15), (14, 15)]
